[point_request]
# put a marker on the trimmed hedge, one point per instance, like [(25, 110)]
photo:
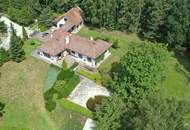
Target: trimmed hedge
[(65, 75), (66, 104), (69, 86), (66, 82)]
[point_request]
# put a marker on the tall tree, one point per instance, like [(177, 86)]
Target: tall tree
[(157, 113), (109, 114), (3, 27), (16, 51), (139, 71)]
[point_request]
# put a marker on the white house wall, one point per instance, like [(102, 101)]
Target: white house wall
[(62, 21)]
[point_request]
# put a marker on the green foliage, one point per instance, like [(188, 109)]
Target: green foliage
[(66, 82), (66, 104), (2, 107), (46, 18), (50, 105), (16, 51), (68, 87), (109, 114), (93, 102), (21, 16), (100, 58), (65, 75), (4, 56), (139, 71), (3, 27), (25, 35), (156, 112)]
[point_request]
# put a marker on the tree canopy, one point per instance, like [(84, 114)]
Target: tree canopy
[(139, 70)]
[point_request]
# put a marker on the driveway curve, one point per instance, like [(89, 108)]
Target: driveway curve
[(85, 90)]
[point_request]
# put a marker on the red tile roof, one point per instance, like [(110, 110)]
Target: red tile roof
[(57, 43), (74, 17)]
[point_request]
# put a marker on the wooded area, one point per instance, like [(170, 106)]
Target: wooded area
[(166, 21)]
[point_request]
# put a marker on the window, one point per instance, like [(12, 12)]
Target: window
[(72, 52), (80, 56), (61, 25), (89, 59)]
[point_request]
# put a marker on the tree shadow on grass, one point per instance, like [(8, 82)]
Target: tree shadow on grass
[(184, 64)]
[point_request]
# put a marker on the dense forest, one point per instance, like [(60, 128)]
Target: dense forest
[(165, 21)]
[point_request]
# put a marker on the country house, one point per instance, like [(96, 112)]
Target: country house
[(62, 42)]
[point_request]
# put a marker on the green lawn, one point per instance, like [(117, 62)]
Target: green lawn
[(29, 48), (65, 119), (66, 104), (21, 89)]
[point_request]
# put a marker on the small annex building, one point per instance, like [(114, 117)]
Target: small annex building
[(71, 21)]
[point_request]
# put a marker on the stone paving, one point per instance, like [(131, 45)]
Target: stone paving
[(86, 89)]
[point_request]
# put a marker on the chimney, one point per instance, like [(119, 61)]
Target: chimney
[(91, 38), (67, 39)]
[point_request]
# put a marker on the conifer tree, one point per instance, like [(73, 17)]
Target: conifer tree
[(16, 51)]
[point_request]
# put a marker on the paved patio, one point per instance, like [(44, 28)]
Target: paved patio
[(85, 90)]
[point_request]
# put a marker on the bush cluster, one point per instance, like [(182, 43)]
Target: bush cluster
[(92, 102), (66, 82)]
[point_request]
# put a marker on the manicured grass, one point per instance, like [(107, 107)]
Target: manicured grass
[(69, 86), (22, 92), (29, 48), (65, 119), (123, 39), (21, 88), (66, 104), (91, 75), (53, 72), (177, 81)]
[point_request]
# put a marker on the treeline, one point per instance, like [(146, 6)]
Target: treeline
[(166, 21)]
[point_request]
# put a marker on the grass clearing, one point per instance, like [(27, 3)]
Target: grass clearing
[(65, 119), (22, 92), (66, 104), (29, 48)]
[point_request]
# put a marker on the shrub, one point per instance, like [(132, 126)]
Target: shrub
[(50, 105), (24, 33), (48, 95), (115, 44), (65, 75), (4, 56), (92, 102), (69, 86), (2, 107), (59, 84)]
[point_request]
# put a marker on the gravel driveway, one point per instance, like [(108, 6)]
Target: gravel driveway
[(85, 90)]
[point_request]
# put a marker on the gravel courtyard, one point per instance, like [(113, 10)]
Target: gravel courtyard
[(85, 90)]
